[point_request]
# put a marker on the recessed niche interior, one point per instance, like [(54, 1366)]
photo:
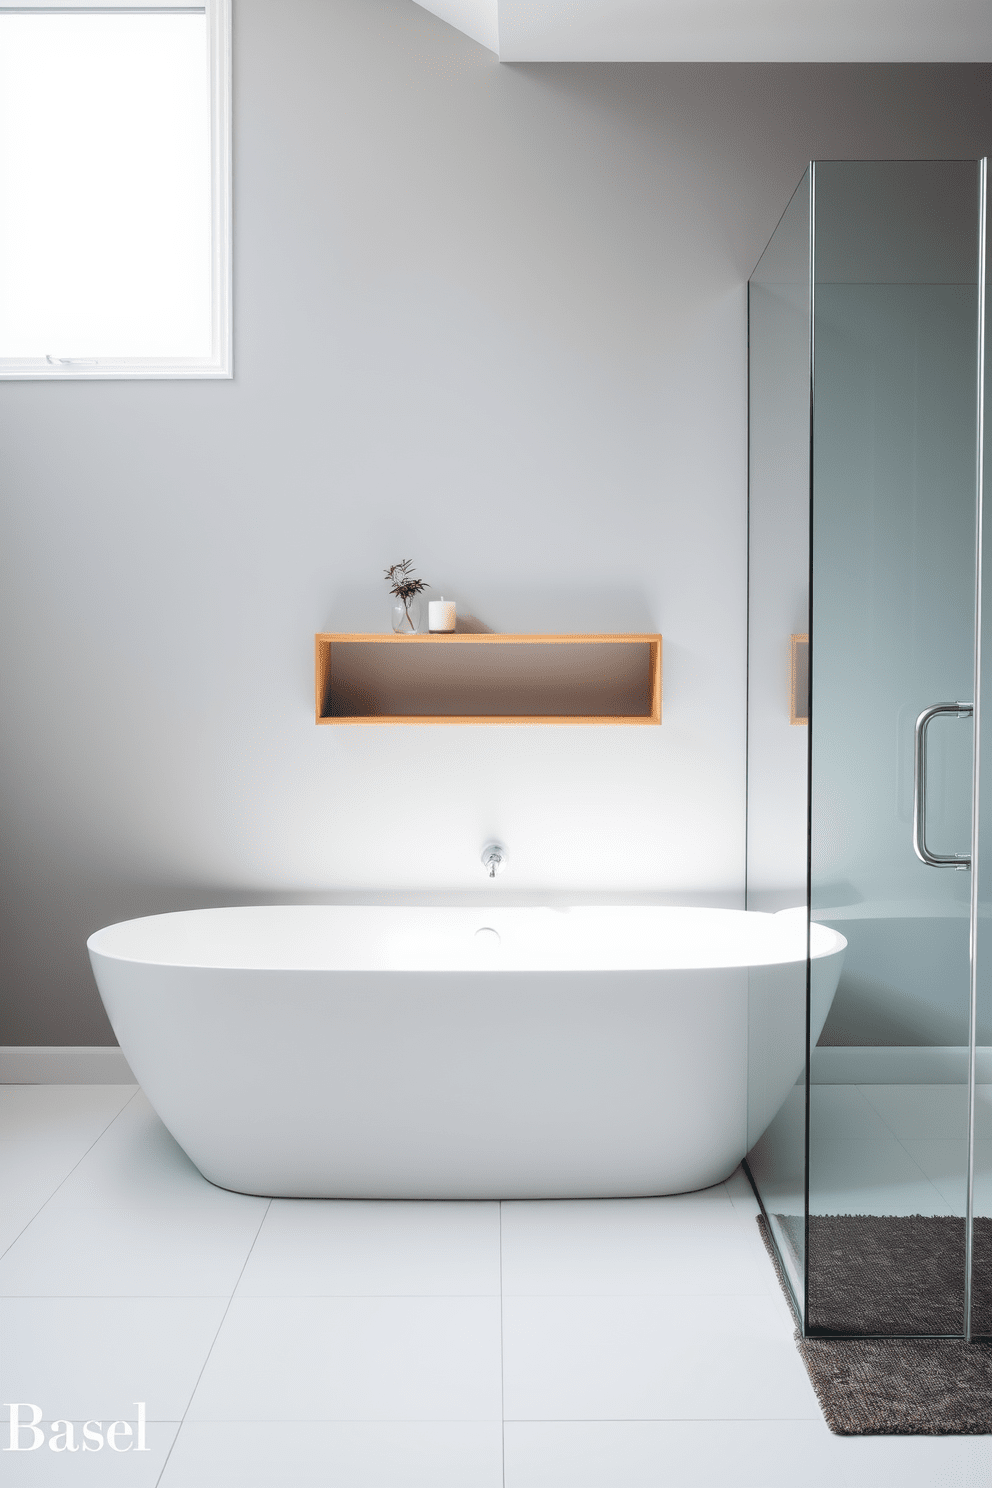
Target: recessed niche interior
[(470, 678)]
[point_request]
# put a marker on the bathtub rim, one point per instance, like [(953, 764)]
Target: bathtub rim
[(828, 941)]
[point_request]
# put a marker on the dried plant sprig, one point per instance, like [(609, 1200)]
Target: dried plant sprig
[(403, 585)]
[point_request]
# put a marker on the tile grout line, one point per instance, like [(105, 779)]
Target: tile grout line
[(502, 1390), (196, 1384), (61, 1184)]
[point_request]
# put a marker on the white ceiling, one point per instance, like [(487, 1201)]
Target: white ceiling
[(725, 30)]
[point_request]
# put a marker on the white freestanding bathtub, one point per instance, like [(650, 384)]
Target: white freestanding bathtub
[(353, 1052)]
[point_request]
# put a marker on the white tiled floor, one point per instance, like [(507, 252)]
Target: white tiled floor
[(284, 1344), (877, 1149), (897, 1149)]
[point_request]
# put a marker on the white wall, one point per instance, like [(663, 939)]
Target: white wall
[(478, 19), (744, 30), (490, 318)]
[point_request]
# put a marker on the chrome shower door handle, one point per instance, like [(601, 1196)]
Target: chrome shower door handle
[(933, 860)]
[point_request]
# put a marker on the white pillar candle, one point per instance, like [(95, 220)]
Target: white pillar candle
[(441, 614)]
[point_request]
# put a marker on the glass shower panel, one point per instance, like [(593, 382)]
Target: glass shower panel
[(895, 267), (981, 1269), (778, 611)]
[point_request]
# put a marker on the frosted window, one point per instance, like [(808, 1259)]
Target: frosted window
[(109, 222)]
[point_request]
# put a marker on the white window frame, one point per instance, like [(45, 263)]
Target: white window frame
[(220, 362)]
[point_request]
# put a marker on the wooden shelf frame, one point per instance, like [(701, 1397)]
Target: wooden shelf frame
[(325, 643), (799, 679)]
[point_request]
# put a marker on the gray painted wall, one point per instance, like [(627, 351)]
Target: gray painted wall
[(488, 317)]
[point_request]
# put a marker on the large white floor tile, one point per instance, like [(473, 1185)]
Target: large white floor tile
[(778, 1160), (944, 1163), (874, 1176), (345, 1454), (913, 1461), (741, 1195), (354, 1359), (90, 1356), (44, 1132), (134, 1218), (691, 1243), (735, 1454), (682, 1454), (839, 1112), (137, 1161), (96, 1467), (652, 1358), (921, 1111), (350, 1248), (618, 1371), (983, 1177), (783, 1197)]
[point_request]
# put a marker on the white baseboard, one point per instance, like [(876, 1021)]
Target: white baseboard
[(85, 1064), (866, 1065)]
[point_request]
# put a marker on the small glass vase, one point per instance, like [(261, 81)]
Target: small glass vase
[(406, 617)]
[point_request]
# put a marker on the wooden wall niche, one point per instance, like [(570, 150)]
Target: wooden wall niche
[(469, 678)]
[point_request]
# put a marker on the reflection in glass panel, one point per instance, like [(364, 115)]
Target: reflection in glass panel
[(893, 515), (862, 522), (981, 1273), (778, 609)]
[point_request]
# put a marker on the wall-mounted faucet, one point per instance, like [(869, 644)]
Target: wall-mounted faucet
[(494, 858)]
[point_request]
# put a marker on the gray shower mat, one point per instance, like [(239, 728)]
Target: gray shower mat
[(894, 1275), (882, 1274)]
